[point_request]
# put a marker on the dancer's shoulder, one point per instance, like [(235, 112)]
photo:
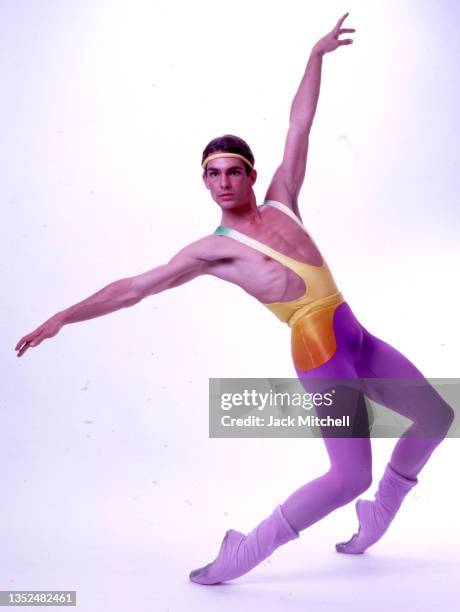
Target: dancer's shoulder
[(209, 248)]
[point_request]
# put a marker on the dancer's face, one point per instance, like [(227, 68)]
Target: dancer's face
[(227, 175)]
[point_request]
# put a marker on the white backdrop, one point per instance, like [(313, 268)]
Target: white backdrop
[(111, 484)]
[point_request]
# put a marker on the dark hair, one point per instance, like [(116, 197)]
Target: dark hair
[(230, 144)]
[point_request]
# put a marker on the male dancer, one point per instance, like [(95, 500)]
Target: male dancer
[(267, 251)]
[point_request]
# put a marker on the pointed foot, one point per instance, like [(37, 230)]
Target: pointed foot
[(225, 565), (355, 545)]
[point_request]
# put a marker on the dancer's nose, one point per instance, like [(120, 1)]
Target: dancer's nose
[(224, 182)]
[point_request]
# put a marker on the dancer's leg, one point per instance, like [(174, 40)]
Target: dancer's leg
[(349, 475), (431, 417), (351, 458), (431, 414)]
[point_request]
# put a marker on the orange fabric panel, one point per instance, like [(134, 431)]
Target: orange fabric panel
[(313, 339)]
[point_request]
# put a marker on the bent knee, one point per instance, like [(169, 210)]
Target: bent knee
[(446, 418), (448, 415), (440, 422)]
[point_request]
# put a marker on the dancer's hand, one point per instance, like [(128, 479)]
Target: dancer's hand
[(47, 330), (330, 42)]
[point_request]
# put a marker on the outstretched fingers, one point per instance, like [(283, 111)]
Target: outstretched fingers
[(26, 342), (338, 30), (341, 20), (23, 348)]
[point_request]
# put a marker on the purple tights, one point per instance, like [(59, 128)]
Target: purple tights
[(360, 362), (360, 355)]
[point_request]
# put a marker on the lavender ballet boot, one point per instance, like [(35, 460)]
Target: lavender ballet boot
[(375, 516), (239, 553)]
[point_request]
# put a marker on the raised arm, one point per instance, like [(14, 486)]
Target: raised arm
[(289, 176), (190, 262)]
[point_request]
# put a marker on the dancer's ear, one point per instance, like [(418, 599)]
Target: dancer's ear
[(204, 177)]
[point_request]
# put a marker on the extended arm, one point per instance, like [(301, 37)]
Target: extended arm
[(187, 264), (304, 104), (288, 178)]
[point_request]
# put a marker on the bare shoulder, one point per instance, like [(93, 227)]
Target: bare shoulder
[(209, 249)]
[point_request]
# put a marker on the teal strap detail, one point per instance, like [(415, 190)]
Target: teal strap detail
[(222, 230)]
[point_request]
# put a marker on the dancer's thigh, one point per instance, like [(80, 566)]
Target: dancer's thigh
[(419, 402), (349, 447)]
